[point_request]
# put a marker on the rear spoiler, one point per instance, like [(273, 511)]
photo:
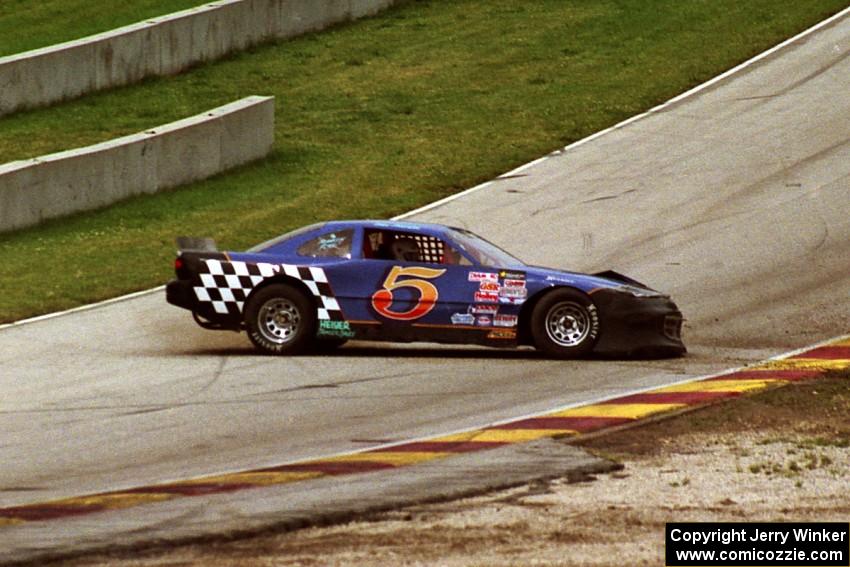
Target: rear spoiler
[(618, 277), (192, 244)]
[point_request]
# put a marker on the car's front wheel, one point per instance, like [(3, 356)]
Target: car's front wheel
[(565, 324), (280, 319)]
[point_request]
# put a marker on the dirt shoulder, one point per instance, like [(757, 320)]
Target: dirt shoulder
[(783, 455)]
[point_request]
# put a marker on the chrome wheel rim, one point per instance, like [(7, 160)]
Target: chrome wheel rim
[(568, 324), (279, 320)]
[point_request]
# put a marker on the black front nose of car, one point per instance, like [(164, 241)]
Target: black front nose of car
[(673, 327)]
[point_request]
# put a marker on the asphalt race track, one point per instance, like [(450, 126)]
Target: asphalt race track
[(736, 200)]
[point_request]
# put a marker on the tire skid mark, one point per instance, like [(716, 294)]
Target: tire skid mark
[(595, 417)]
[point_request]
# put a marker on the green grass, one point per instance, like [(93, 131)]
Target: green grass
[(26, 24), (375, 118)]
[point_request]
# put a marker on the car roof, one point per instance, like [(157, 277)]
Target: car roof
[(428, 229), (424, 227)]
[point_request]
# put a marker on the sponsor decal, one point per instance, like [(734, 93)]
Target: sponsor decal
[(508, 334), (505, 320), (509, 275), (463, 319), (397, 225), (516, 292), (331, 242), (483, 277), (483, 321), (514, 284), (564, 279), (489, 286), (512, 300), (486, 297), (484, 309), (339, 329)]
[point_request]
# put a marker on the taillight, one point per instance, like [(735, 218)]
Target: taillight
[(181, 268)]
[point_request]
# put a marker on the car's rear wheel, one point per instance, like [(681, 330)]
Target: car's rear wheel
[(565, 324), (280, 319)]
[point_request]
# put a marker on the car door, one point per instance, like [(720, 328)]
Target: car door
[(406, 287)]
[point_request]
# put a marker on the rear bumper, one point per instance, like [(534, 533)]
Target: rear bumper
[(638, 326), (181, 294)]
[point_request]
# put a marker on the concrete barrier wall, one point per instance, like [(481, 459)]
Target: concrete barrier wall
[(171, 155), (163, 46)]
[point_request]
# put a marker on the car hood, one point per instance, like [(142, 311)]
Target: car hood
[(586, 282)]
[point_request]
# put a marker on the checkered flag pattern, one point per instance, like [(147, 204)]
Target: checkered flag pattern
[(430, 249), (227, 285)]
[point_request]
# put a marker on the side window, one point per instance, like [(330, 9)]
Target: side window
[(335, 244), (452, 256), (409, 247)]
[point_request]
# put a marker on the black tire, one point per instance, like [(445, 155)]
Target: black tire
[(565, 324), (280, 320)]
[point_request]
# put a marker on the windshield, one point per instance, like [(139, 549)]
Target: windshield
[(481, 251), (284, 237)]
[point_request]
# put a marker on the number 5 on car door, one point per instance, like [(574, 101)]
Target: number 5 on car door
[(382, 299)]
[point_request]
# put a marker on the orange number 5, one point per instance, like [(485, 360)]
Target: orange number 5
[(382, 299)]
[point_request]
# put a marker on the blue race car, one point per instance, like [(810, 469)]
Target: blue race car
[(326, 283)]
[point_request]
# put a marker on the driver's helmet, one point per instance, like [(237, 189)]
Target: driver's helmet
[(405, 249)]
